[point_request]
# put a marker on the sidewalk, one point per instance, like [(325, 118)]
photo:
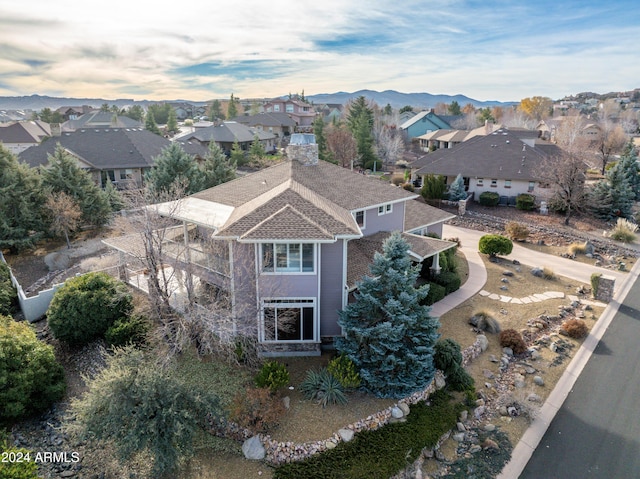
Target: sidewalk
[(562, 267)]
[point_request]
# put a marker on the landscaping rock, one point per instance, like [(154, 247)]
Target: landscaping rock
[(538, 380), (345, 434), (464, 414), (460, 427), (479, 411), (404, 407), (286, 401), (330, 444), (482, 341), (475, 449), (253, 449), (537, 272), (489, 427), (507, 273), (534, 398), (397, 413), (507, 351), (490, 444), (458, 437)]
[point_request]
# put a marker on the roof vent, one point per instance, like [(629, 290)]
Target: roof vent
[(524, 147)]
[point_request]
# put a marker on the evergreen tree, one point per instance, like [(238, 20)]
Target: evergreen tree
[(217, 168), (600, 200), (454, 108), (62, 174), (628, 164), (621, 191), (22, 218), (456, 190), (215, 111), (388, 111), (257, 151), (113, 196), (172, 122), (232, 110), (321, 140), (151, 125), (360, 120), (176, 172), (388, 334), (238, 156)]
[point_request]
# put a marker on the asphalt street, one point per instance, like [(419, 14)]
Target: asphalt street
[(596, 432)]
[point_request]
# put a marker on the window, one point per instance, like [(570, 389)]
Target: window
[(494, 183), (289, 320), (507, 183), (288, 257), (289, 107), (126, 174), (276, 107), (385, 209), (359, 215), (532, 184), (479, 181)]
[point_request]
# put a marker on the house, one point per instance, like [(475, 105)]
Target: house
[(504, 161), (99, 119), (73, 112), (121, 155), (228, 132), (301, 112), (445, 138), (551, 126), (280, 124), (331, 112), (19, 135), (287, 245), (425, 122)]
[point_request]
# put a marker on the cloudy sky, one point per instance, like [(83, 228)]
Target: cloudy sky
[(199, 50)]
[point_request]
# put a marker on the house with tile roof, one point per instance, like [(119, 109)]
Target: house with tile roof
[(121, 155), (19, 135), (289, 243), (504, 161)]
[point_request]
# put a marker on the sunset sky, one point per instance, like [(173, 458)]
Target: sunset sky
[(197, 50)]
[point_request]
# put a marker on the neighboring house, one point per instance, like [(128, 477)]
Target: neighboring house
[(287, 245), (227, 132), (279, 124), (120, 155), (18, 136), (183, 110), (99, 119), (549, 128), (300, 112), (425, 122), (504, 161), (406, 116), (439, 139), (74, 112), (331, 112)]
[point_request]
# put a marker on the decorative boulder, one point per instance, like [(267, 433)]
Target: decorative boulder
[(537, 272), (253, 449), (396, 413), (345, 434), (482, 341)]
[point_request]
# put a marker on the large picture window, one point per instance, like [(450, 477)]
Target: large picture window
[(288, 258), (289, 320)]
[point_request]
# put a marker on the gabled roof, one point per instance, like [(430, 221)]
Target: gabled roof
[(425, 116), (288, 201), (503, 154), (103, 148), (227, 132), (100, 119), (277, 119), (418, 215), (33, 131)]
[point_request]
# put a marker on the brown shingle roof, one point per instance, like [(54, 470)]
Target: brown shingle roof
[(418, 214)]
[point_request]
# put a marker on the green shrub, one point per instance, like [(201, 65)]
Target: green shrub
[(516, 231), (510, 338), (128, 330), (30, 377), (575, 328), (450, 280), (86, 306), (494, 245), (25, 469), (382, 453), (448, 358), (489, 198), (344, 370), (8, 294), (525, 202), (595, 283), (435, 294), (323, 387), (273, 375)]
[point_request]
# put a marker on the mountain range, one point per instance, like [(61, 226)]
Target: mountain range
[(394, 98)]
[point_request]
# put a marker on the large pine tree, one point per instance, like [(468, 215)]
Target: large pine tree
[(217, 168), (388, 334), (22, 220), (176, 172)]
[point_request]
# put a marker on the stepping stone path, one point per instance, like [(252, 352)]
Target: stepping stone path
[(534, 298)]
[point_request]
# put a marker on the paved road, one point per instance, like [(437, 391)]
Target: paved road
[(596, 432)]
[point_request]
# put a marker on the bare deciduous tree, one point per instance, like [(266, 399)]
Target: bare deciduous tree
[(65, 214), (610, 141), (342, 145)]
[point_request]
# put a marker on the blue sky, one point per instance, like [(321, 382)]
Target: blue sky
[(199, 50)]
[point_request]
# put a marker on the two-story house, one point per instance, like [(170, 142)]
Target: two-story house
[(288, 244), (300, 112)]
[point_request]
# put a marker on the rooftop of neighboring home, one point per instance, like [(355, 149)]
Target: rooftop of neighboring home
[(103, 148), (33, 131), (227, 132), (505, 153), (274, 119), (100, 119)]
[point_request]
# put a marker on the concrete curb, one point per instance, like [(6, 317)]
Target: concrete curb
[(533, 435)]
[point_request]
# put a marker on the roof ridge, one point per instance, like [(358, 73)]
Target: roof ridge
[(321, 201), (281, 210)]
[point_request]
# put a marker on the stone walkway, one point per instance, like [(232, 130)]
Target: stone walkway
[(537, 298)]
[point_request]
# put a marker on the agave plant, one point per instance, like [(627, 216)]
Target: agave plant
[(322, 386)]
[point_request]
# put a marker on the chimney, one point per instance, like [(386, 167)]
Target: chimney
[(303, 148)]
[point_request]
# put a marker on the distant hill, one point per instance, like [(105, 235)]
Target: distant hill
[(398, 100)]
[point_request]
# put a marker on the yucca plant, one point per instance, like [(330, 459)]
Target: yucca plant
[(322, 386)]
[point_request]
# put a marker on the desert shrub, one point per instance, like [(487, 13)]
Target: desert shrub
[(624, 231), (256, 409), (595, 283), (408, 187), (448, 358), (8, 294), (397, 180), (575, 328), (30, 377), (450, 280), (510, 338), (272, 375), (484, 321), (489, 198), (577, 248), (344, 370), (383, 452), (86, 306), (516, 231), (25, 469), (128, 330), (435, 294), (525, 202), (323, 387), (494, 245), (547, 273)]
